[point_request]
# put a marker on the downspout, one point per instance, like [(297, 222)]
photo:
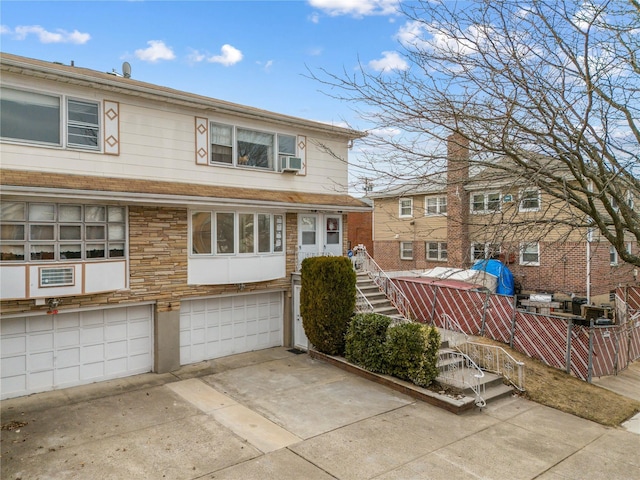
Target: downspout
[(589, 238)]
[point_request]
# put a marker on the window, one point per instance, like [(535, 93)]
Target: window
[(30, 116), (435, 206), (613, 255), (221, 143), (406, 250), (228, 233), (50, 232), (255, 149), (530, 254), (529, 200), (406, 207), (36, 117), (484, 251), (83, 127), (485, 202), (241, 147), (437, 251)]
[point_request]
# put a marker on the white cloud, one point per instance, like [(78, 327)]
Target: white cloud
[(157, 51), (21, 32), (314, 17), (195, 57), (4, 30), (229, 56), (389, 61), (356, 8), (411, 34), (266, 66)]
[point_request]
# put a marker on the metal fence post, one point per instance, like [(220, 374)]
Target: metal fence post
[(484, 313), (568, 353), (433, 307), (590, 371), (512, 333)]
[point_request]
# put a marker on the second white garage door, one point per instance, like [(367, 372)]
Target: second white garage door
[(220, 326)]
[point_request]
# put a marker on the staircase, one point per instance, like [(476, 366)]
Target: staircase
[(377, 300), (459, 372)]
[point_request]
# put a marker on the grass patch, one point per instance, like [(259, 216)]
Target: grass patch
[(557, 389)]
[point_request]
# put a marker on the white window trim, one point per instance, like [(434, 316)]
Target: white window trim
[(400, 214), (63, 134), (440, 258), (613, 256), (522, 247), (402, 251), (439, 205), (486, 250), (485, 209), (521, 196)]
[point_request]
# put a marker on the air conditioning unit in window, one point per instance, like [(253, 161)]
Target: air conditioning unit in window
[(57, 277), (290, 164)]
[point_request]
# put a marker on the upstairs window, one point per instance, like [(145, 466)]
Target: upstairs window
[(255, 149), (37, 118), (485, 202), (484, 251), (406, 207), (435, 206), (529, 200), (221, 144), (613, 256)]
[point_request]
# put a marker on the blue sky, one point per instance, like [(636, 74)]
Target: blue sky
[(250, 52)]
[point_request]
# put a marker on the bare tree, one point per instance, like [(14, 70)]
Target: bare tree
[(547, 92)]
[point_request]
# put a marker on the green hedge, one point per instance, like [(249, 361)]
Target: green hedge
[(366, 341), (408, 351), (327, 301)]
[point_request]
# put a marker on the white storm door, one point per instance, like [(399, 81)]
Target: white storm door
[(308, 245), (333, 235)]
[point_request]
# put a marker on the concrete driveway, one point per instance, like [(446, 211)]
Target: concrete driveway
[(275, 414)]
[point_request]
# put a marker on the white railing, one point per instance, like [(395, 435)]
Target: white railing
[(452, 331), (362, 302), (300, 256), (458, 370), (384, 283), (495, 359)]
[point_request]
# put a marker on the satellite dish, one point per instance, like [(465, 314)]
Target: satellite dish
[(126, 70)]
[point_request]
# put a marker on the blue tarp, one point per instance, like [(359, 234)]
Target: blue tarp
[(497, 268)]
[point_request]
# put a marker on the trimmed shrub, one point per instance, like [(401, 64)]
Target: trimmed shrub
[(365, 341), (327, 301), (412, 352)]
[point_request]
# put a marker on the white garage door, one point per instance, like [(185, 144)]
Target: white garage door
[(216, 327), (55, 351)]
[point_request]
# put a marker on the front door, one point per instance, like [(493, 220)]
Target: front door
[(333, 235), (308, 245)]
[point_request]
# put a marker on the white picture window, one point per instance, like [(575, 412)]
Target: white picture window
[(254, 149), (530, 254), (406, 250), (436, 251), (59, 232), (435, 206), (230, 233), (406, 207), (529, 200)]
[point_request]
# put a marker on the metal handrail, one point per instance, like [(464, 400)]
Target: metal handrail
[(385, 284), (450, 327), (495, 359), (460, 370), (363, 305)]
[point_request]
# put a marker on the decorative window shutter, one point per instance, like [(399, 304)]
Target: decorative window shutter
[(302, 153), (202, 141), (111, 127)]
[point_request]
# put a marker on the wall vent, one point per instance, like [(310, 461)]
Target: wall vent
[(57, 277)]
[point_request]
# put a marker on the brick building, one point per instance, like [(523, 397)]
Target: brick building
[(457, 217), (145, 228)]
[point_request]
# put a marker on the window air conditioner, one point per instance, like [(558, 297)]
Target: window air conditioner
[(57, 277), (290, 164)]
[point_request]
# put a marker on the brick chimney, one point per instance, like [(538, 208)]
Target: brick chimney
[(458, 244)]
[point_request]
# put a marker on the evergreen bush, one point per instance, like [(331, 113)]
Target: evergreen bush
[(412, 352), (327, 301), (365, 341)]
